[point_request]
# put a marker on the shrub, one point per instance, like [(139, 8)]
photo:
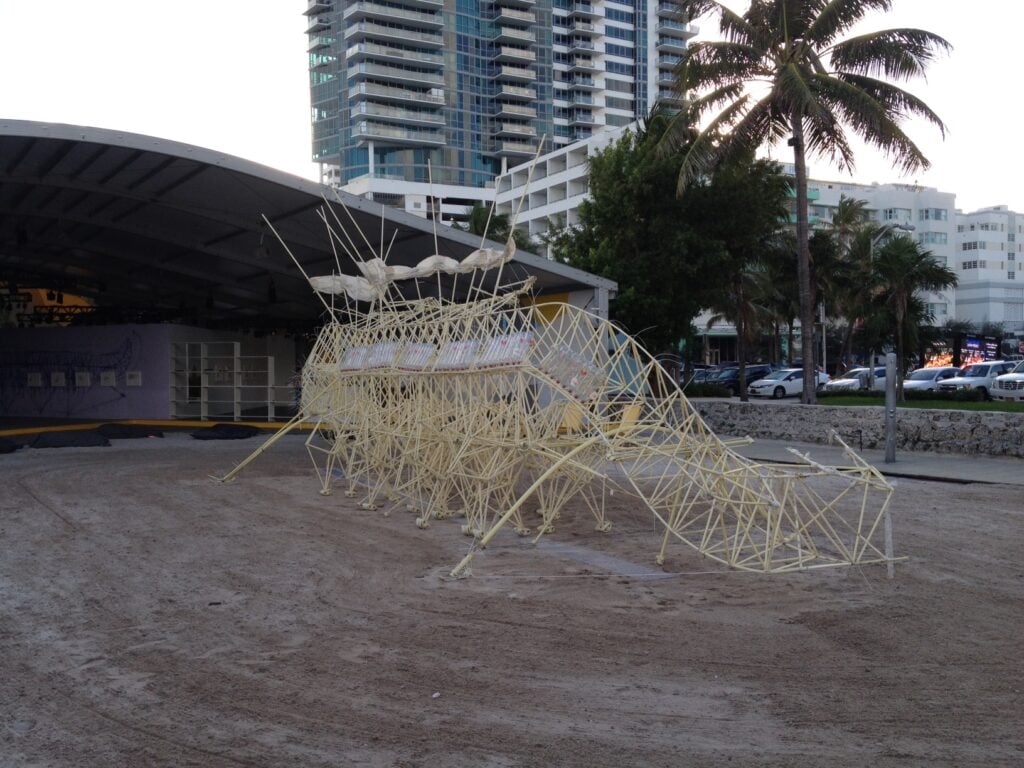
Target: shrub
[(959, 396), (706, 390)]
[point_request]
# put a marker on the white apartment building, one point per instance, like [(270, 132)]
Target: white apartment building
[(988, 249), (547, 194)]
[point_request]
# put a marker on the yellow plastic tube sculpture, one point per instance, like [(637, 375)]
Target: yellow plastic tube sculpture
[(501, 413)]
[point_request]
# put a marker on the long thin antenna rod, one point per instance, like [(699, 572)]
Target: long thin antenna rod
[(289, 252), (433, 212), (354, 253)]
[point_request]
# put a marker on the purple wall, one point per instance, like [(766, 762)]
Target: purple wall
[(91, 350), (95, 350)]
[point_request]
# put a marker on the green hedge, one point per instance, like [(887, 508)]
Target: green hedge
[(960, 396), (706, 390)]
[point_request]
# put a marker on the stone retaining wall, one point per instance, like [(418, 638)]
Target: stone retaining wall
[(963, 432)]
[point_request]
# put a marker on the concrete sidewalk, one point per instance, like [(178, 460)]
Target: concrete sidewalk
[(954, 468)]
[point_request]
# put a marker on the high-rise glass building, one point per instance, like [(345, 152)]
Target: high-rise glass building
[(456, 91)]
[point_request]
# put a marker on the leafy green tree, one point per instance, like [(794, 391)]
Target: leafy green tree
[(630, 232), (903, 269), (783, 71), (782, 302), (668, 253)]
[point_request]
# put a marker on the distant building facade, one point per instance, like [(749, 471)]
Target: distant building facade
[(419, 100), (988, 253)]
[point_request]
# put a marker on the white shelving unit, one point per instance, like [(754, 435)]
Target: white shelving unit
[(212, 380)]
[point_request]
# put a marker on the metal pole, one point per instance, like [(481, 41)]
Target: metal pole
[(890, 408), (871, 351)]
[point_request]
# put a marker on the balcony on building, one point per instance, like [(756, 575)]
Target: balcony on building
[(509, 72), (392, 93), (666, 78), (675, 44), (582, 28), (367, 9), (581, 118), (582, 100), (368, 130), (581, 45), (583, 83), (386, 112), (513, 16), (670, 10), (321, 61), (583, 11), (364, 70), (583, 64), (318, 24), (515, 3), (670, 96), (676, 28), (504, 109), (318, 6), (427, 4), (515, 92), (376, 51), (510, 148), (382, 31), (513, 35), (669, 60), (319, 43), (513, 54), (514, 130)]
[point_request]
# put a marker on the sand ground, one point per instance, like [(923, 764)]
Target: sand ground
[(151, 617)]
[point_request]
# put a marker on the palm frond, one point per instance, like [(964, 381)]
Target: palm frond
[(715, 99), (834, 17), (711, 64), (701, 156), (897, 102), (762, 123), (733, 26), (899, 54), (872, 119)]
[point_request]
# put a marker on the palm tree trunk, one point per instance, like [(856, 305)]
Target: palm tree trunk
[(847, 352), (803, 262)]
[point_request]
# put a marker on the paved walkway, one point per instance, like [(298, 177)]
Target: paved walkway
[(913, 464)]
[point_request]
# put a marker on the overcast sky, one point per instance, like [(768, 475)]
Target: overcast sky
[(232, 77)]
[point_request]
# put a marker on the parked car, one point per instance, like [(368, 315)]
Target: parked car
[(978, 376), (730, 377), (698, 375), (856, 379), (928, 379), (1009, 386), (783, 383)]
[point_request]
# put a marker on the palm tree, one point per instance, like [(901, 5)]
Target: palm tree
[(744, 300), (903, 269), (781, 72)]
